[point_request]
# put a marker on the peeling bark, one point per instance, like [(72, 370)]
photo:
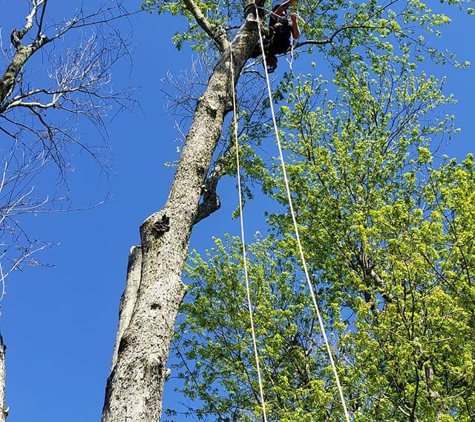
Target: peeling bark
[(129, 297), (135, 385)]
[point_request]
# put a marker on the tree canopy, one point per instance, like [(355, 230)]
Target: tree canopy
[(386, 221)]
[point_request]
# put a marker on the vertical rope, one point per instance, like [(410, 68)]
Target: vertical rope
[(297, 235), (244, 253)]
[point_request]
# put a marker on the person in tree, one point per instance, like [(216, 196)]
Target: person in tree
[(281, 29)]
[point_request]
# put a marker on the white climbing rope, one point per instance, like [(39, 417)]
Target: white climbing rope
[(244, 254), (297, 236)]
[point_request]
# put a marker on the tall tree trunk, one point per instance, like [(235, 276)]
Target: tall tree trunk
[(154, 286), (3, 409)]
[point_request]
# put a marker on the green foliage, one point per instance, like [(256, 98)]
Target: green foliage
[(222, 14), (388, 231), (214, 342), (387, 227), (354, 28)]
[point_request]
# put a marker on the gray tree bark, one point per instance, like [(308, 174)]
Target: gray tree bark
[(23, 53), (3, 409), (154, 288)]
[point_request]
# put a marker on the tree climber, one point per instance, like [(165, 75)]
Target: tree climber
[(281, 28)]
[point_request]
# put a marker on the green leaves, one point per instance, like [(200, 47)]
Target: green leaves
[(215, 334), (387, 227), (388, 234), (383, 231), (341, 31), (223, 14)]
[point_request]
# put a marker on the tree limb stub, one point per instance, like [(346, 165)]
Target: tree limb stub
[(211, 201)]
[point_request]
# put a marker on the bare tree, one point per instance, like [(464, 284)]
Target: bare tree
[(40, 114), (76, 85)]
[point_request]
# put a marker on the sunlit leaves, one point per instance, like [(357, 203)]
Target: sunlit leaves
[(387, 228), (214, 339), (344, 31), (388, 231)]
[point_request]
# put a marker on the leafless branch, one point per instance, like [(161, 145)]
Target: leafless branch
[(79, 80), (39, 114)]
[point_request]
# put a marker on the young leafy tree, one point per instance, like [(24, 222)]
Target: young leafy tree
[(346, 35), (390, 245)]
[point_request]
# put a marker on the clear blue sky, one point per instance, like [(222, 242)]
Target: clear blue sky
[(59, 324)]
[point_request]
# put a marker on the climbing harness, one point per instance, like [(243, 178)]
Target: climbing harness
[(277, 40)]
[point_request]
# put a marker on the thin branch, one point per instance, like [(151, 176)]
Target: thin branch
[(216, 33), (17, 35), (40, 24)]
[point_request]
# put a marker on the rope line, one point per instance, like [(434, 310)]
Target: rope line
[(244, 253), (297, 235)]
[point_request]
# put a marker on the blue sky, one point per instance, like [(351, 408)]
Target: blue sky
[(59, 323)]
